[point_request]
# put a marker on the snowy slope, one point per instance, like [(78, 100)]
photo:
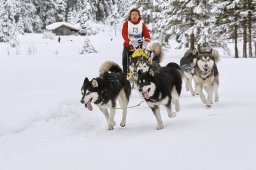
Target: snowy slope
[(44, 127)]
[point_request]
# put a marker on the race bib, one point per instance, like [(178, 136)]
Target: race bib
[(135, 31)]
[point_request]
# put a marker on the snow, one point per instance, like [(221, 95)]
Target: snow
[(44, 126), (55, 25)]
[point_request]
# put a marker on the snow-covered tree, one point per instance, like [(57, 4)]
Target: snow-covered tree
[(60, 7), (30, 20), (190, 22), (9, 10), (227, 15), (87, 47), (73, 17), (84, 16), (122, 7), (71, 7), (146, 8), (20, 25)]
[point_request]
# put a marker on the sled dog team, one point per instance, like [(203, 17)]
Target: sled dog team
[(156, 85)]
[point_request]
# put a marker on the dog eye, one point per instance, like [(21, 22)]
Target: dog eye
[(87, 92)]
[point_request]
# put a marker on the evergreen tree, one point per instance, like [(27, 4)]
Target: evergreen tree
[(250, 9), (20, 25), (30, 19), (9, 11), (85, 15), (73, 17), (87, 47), (70, 7), (227, 20), (60, 7)]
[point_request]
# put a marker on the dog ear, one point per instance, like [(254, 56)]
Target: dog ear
[(211, 51), (86, 80), (215, 55), (94, 83), (151, 71)]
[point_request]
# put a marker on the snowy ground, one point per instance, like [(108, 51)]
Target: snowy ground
[(44, 127)]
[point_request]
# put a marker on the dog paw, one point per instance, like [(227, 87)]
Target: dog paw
[(159, 127), (122, 124), (172, 115), (113, 123), (110, 127), (208, 106)]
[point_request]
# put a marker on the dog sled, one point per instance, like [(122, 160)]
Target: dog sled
[(138, 53)]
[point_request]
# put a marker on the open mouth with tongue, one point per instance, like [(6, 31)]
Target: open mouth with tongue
[(146, 94), (89, 105)]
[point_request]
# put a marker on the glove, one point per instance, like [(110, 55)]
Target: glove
[(134, 43)]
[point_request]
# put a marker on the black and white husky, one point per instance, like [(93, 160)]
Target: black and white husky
[(104, 91), (156, 57), (161, 87), (154, 53), (207, 76)]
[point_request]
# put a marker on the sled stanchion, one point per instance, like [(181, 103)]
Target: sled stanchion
[(127, 63), (130, 106)]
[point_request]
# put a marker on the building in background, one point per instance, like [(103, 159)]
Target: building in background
[(63, 28)]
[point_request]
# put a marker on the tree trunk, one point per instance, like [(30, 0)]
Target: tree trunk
[(250, 28), (236, 37), (255, 48), (192, 41), (244, 38)]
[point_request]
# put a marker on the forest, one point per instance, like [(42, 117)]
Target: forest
[(193, 23)]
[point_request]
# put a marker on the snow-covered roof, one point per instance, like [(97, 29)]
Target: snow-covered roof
[(55, 25)]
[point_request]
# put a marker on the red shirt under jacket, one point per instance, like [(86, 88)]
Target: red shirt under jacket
[(145, 32)]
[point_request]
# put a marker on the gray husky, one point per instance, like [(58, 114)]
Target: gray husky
[(207, 76), (188, 69), (104, 91)]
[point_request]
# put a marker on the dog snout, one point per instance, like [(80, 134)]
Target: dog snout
[(206, 65), (140, 89), (82, 101)]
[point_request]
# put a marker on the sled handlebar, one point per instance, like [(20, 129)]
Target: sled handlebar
[(138, 43)]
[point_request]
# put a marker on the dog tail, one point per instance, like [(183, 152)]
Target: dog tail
[(157, 49), (173, 65), (109, 66), (176, 72), (215, 55)]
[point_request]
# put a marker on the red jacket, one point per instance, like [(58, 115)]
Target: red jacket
[(145, 32)]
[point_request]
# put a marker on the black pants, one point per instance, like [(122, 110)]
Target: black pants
[(125, 60)]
